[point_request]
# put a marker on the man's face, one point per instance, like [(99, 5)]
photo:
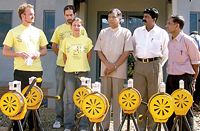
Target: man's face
[(69, 16), (147, 20), (114, 20), (76, 27), (29, 15), (170, 26)]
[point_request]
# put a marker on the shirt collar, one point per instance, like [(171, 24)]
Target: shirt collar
[(116, 29), (178, 37), (155, 28)]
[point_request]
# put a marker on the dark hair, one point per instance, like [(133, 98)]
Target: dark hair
[(119, 13), (179, 20), (153, 12), (69, 7)]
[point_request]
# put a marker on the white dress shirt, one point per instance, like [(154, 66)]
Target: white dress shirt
[(150, 44)]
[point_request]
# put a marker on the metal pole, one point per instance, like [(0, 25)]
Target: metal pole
[(174, 125), (123, 120), (11, 125), (128, 123), (19, 125), (136, 126)]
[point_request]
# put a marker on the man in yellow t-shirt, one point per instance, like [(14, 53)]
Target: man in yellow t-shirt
[(29, 44), (60, 33)]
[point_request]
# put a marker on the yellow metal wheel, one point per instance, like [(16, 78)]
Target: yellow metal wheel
[(95, 106), (129, 99), (161, 107), (183, 101), (80, 94), (34, 96), (12, 103)]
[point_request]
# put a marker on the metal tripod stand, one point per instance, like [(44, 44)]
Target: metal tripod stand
[(128, 116)]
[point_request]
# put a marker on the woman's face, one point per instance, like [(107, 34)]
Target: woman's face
[(76, 27)]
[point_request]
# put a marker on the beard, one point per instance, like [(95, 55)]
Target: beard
[(69, 21), (30, 21)]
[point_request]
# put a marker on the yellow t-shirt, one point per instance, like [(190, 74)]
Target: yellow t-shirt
[(76, 50), (27, 39), (60, 33)]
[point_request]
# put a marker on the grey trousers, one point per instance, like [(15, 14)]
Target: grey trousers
[(147, 78), (60, 88), (111, 87)]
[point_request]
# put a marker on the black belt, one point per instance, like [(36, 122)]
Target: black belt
[(76, 72), (148, 59)]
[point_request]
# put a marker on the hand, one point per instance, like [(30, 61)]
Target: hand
[(108, 71), (193, 85), (23, 55), (110, 66), (35, 55)]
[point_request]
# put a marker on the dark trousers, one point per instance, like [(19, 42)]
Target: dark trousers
[(24, 76), (172, 85), (197, 91)]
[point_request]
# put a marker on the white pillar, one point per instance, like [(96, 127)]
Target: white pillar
[(182, 7), (83, 13)]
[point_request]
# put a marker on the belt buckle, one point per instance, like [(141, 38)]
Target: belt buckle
[(145, 60), (76, 72)]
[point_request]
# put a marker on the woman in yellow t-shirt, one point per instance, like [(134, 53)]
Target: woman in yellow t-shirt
[(76, 54)]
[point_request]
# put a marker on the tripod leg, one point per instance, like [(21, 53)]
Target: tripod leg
[(128, 123), (136, 126), (77, 124), (187, 123), (38, 119), (26, 118), (11, 125), (165, 126), (34, 120), (156, 125), (19, 125), (121, 125), (101, 126), (175, 122), (181, 123), (91, 126), (97, 127), (159, 126)]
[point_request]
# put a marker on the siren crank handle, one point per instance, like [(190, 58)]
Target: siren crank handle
[(31, 85), (144, 103), (141, 117), (52, 97)]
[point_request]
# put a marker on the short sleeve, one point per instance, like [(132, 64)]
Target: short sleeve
[(98, 43), (9, 39), (89, 45), (63, 46), (55, 38), (43, 40), (128, 41)]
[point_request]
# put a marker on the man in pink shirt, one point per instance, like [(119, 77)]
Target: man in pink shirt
[(183, 62)]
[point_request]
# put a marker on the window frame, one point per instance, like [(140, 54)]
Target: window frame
[(11, 23)]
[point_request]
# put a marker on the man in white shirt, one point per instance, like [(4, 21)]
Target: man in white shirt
[(150, 51)]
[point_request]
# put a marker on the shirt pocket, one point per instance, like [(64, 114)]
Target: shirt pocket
[(155, 45), (181, 55)]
